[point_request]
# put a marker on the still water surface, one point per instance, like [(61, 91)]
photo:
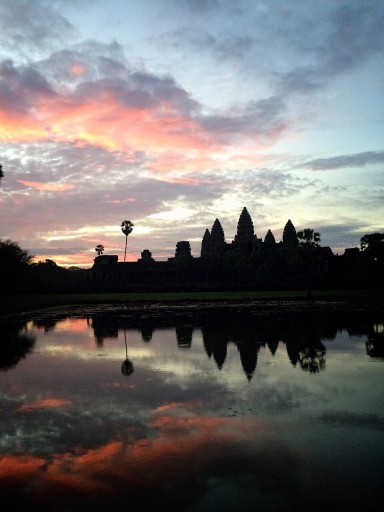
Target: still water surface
[(192, 412)]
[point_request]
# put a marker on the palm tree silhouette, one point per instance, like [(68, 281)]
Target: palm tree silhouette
[(99, 249), (126, 228), (309, 242)]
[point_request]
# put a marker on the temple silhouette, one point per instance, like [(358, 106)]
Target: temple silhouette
[(247, 262)]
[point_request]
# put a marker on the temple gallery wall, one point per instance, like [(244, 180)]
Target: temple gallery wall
[(247, 262)]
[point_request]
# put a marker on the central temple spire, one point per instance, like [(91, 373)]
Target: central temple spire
[(245, 233), (289, 235), (217, 238)]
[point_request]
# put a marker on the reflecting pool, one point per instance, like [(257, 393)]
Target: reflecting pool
[(192, 412)]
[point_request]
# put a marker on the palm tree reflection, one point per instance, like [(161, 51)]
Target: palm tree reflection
[(302, 338), (127, 365), (312, 358), (375, 341)]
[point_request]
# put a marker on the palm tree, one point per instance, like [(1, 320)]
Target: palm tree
[(126, 228), (373, 245), (99, 249), (1, 173), (309, 242), (308, 239)]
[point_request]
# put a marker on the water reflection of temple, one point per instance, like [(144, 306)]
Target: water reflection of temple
[(250, 335), (300, 335)]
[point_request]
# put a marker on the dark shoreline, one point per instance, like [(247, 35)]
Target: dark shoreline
[(153, 308)]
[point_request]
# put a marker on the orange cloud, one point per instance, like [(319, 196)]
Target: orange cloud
[(42, 404), (20, 128), (73, 325), (69, 260), (180, 405), (54, 187), (19, 468)]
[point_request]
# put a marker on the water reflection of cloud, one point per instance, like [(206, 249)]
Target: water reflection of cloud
[(43, 404), (171, 458), (179, 429), (72, 325), (370, 421)]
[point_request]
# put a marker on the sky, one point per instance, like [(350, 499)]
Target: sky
[(172, 113)]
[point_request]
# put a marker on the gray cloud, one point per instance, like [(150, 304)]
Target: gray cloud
[(356, 33), (346, 233), (223, 47), (94, 60), (350, 36), (260, 182), (105, 69), (196, 8), (202, 6), (295, 47), (366, 421), (22, 87), (338, 162), (32, 27), (266, 118), (79, 164)]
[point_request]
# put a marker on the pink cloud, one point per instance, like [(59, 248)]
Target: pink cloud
[(190, 181), (77, 69), (53, 187), (140, 113), (120, 201)]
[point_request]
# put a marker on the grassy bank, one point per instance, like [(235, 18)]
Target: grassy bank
[(26, 303)]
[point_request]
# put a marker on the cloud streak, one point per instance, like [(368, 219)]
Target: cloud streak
[(55, 187), (357, 160)]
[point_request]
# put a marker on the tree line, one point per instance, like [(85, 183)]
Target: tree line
[(19, 272)]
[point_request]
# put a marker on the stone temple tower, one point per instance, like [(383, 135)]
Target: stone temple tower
[(269, 239), (289, 235), (245, 236), (217, 239), (206, 243)]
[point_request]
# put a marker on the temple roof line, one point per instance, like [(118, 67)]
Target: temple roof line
[(245, 233)]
